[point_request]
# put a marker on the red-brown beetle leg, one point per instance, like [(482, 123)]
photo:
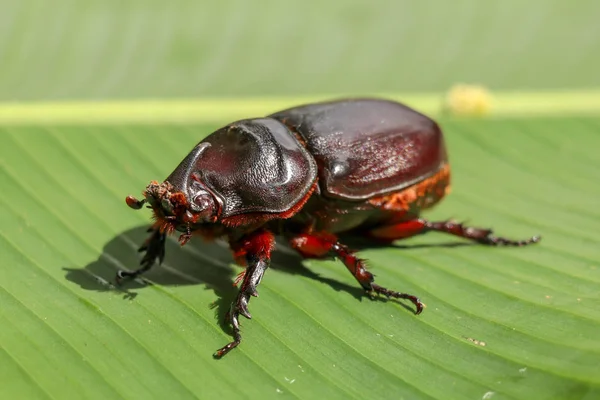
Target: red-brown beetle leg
[(320, 244), (483, 236), (154, 247), (417, 226), (258, 246), (400, 230)]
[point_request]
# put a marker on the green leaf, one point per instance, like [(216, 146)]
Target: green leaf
[(519, 323), (107, 49)]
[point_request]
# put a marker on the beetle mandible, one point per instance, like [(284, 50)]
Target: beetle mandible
[(363, 167)]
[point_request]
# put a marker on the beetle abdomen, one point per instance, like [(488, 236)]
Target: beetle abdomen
[(367, 147)]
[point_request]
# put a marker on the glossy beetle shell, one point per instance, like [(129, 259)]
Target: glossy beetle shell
[(367, 147), (256, 166)]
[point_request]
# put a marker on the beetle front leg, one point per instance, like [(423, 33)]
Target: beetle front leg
[(154, 247), (317, 245), (257, 249)]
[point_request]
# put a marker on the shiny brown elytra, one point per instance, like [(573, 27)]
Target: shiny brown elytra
[(364, 167)]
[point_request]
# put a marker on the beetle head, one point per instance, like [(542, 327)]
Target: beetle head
[(182, 200)]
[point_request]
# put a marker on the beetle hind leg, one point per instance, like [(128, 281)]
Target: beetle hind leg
[(479, 235), (397, 295), (318, 245), (418, 226), (154, 247)]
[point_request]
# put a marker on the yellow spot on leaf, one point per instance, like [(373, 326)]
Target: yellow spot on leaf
[(468, 100)]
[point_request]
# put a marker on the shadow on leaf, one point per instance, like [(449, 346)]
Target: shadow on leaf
[(200, 263)]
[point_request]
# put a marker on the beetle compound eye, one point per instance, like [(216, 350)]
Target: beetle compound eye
[(203, 206), (203, 201)]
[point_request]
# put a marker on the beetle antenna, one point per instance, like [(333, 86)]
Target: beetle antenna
[(134, 203)]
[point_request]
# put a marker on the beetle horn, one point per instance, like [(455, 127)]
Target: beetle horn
[(179, 177)]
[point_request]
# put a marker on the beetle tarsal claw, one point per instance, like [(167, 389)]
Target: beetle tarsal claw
[(238, 307), (397, 295), (244, 311), (241, 305), (154, 249), (232, 316), (184, 238), (227, 348), (120, 275), (500, 241)]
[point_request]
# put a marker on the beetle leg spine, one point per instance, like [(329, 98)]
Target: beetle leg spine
[(479, 235), (257, 247), (397, 295), (154, 247), (418, 226), (321, 243)]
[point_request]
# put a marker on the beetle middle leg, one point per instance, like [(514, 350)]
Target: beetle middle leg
[(154, 247), (256, 248), (317, 245), (418, 226)]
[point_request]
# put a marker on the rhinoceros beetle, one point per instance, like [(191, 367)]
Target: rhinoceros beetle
[(366, 167)]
